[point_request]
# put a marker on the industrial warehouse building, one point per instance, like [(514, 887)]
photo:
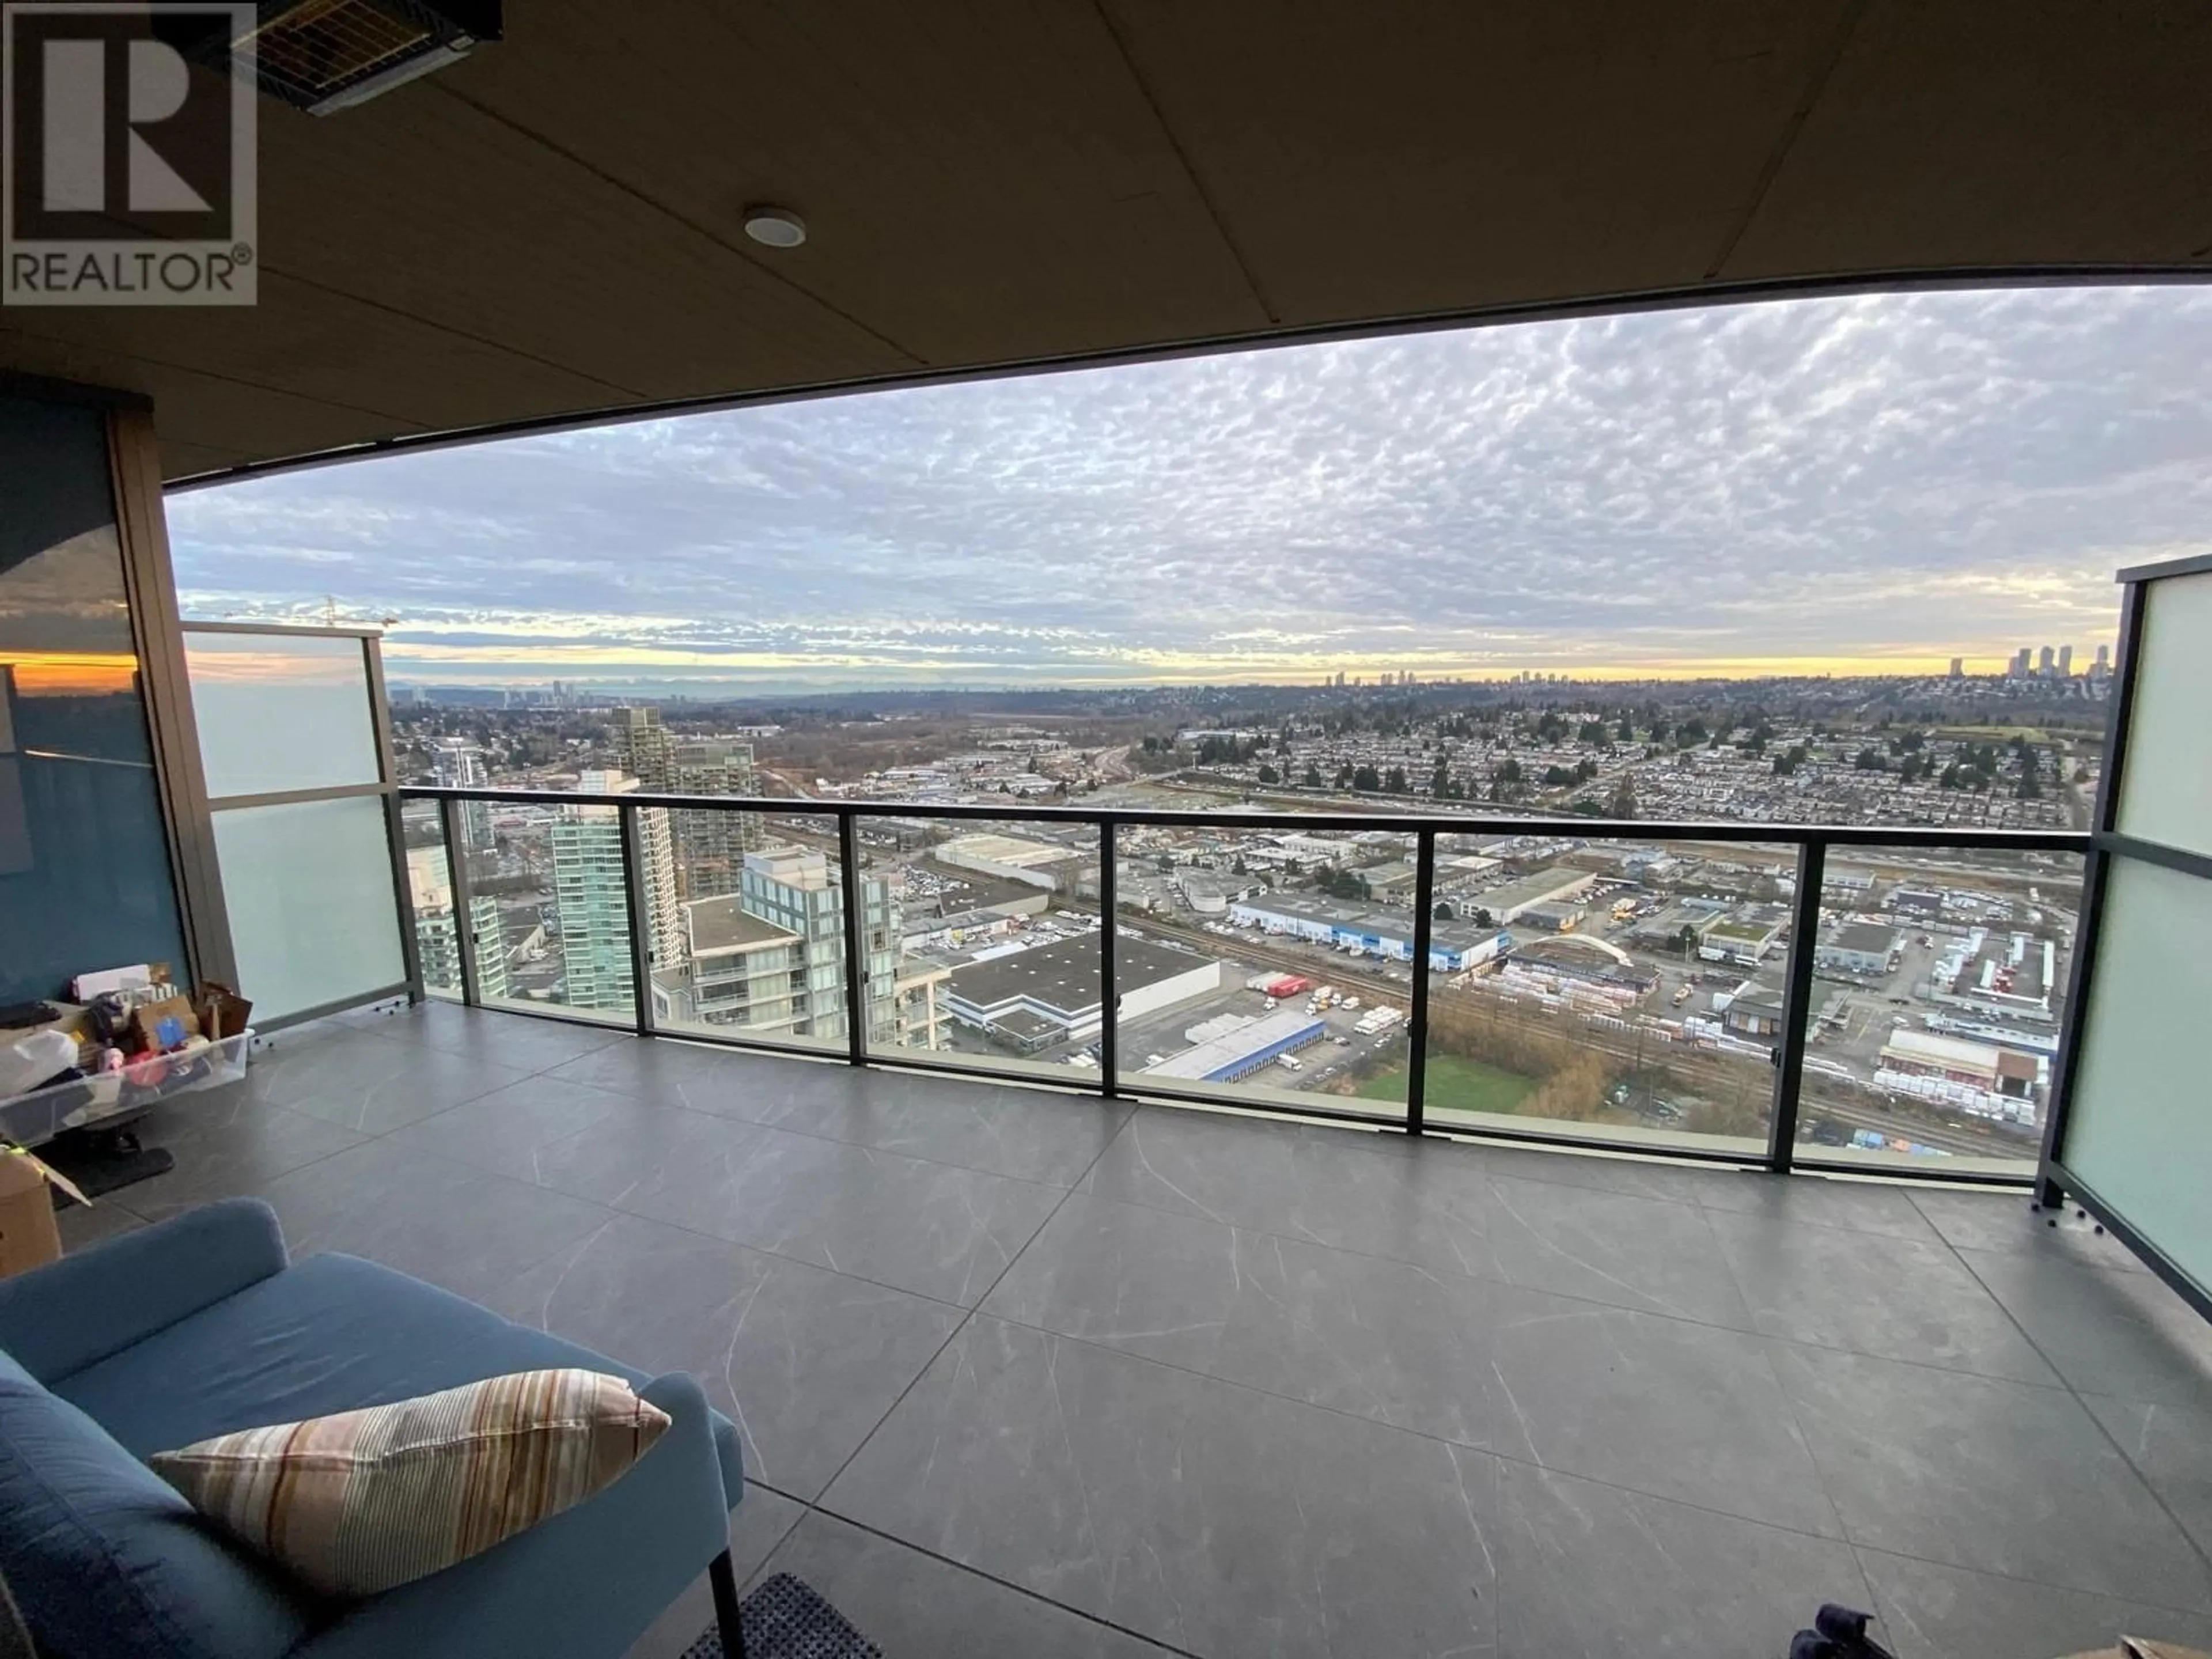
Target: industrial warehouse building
[(1745, 937), (1454, 946), (1389, 884), (1048, 993), (1981, 1064), (1553, 916), (1241, 1051), (2001, 977), (1864, 948), (1554, 885), (1754, 1009), (1208, 892), (1014, 858)]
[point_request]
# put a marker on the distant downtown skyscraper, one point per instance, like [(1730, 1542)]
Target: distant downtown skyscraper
[(1957, 668), (2065, 662)]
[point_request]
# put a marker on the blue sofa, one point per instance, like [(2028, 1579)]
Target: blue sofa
[(199, 1325)]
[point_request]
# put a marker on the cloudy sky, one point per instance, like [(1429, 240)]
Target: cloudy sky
[(1874, 483)]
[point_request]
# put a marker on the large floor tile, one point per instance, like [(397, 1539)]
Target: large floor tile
[(466, 1230), (1856, 1206), (2009, 1221), (1032, 1134), (370, 1083), (1164, 1286), (805, 1361), (1654, 1254), (1931, 1612), (505, 1131), (721, 1082), (1974, 1472), (2122, 1333), (918, 1607), (226, 1144), (934, 1229), (1385, 1339), (1897, 1298), (613, 1160), (2171, 1447), (1603, 1172), (759, 1525), (530, 1042), (1223, 1521), (1427, 1205), (1660, 1405), (1599, 1573)]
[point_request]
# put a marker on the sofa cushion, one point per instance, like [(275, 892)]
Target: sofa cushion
[(362, 1502), (104, 1558), (330, 1333)]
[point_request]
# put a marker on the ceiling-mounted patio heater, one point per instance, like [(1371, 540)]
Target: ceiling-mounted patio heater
[(323, 55)]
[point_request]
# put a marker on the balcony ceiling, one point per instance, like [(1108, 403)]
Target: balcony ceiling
[(552, 228)]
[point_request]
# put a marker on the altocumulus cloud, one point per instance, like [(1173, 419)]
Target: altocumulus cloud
[(1867, 480)]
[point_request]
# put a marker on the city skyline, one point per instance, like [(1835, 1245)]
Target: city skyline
[(1864, 485)]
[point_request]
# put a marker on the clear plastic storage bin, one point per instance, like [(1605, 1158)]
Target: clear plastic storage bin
[(112, 1098)]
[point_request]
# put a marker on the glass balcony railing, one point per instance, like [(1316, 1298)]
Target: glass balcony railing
[(744, 913), (1620, 990), (1847, 998), (1932, 1028), (979, 940), (1309, 939)]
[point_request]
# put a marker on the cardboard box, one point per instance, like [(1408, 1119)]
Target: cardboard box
[(147, 1020), (222, 1013), (28, 1235)]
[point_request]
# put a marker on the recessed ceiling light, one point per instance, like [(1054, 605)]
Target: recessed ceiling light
[(775, 226)]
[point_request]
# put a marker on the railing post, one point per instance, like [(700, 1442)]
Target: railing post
[(403, 895), (1797, 1006), (395, 824), (640, 919), (464, 912), (856, 935), (1417, 1029), (1109, 998)]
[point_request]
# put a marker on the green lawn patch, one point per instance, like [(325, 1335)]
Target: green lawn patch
[(1454, 1083)]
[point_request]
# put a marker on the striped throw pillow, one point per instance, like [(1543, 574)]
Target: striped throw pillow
[(362, 1501)]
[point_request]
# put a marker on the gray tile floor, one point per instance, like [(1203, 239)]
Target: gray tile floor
[(1025, 1374)]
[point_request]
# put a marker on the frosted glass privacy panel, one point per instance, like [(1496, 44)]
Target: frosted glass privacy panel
[(279, 713), (2166, 788), (312, 916), (2139, 1133)]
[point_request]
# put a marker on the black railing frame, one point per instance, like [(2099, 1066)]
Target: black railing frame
[(1812, 842)]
